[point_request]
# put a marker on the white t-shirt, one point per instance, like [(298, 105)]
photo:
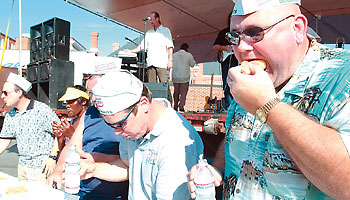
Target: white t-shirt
[(159, 162), (157, 44)]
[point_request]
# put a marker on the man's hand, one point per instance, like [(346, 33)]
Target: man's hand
[(62, 129), (228, 48), (56, 129), (250, 91), (87, 166), (192, 174), (67, 129), (170, 64), (48, 167), (57, 177)]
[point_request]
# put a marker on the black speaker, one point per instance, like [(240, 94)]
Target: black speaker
[(52, 79), (160, 90), (36, 45), (56, 36), (32, 72)]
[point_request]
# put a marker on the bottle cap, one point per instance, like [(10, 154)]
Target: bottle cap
[(202, 162)]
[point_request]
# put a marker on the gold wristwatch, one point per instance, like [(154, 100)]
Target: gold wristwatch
[(261, 113)]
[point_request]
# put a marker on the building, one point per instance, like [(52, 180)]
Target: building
[(10, 42)]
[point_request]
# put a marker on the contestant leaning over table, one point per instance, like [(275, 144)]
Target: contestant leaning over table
[(288, 135), (77, 102), (30, 123), (158, 146), (95, 137)]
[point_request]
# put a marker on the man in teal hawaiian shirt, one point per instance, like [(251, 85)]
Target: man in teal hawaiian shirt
[(288, 134)]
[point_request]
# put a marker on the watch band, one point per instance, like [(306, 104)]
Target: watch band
[(53, 157), (261, 113)]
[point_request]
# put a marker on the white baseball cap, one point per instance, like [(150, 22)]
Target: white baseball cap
[(117, 91), (244, 7), (19, 81)]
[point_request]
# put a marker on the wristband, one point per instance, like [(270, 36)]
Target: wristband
[(53, 157)]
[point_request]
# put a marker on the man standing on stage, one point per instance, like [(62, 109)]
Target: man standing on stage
[(159, 46)]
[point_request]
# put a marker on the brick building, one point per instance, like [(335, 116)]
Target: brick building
[(200, 85)]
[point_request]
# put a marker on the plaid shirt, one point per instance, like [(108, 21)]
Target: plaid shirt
[(256, 165), (32, 130)]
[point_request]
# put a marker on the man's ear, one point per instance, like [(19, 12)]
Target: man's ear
[(85, 102), (20, 93), (300, 27), (144, 104)]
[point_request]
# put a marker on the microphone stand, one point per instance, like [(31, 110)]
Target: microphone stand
[(144, 51)]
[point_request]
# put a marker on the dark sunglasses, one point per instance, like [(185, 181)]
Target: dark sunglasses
[(71, 101), (121, 123), (7, 92), (252, 34)]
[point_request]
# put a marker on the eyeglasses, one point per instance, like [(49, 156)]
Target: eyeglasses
[(71, 101), (252, 34), (121, 123), (7, 92)]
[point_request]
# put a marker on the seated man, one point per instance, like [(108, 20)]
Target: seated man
[(158, 146)]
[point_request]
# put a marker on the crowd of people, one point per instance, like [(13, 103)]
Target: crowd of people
[(287, 125)]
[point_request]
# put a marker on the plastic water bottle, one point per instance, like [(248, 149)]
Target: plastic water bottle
[(204, 181), (72, 168)]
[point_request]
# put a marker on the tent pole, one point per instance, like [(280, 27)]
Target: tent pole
[(317, 17), (20, 37)]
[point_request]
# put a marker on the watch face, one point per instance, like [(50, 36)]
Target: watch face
[(261, 115)]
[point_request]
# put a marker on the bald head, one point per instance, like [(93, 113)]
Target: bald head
[(277, 12), (283, 43)]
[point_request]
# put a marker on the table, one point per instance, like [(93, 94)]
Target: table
[(36, 190)]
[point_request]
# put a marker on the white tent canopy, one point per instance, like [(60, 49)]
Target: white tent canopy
[(197, 22)]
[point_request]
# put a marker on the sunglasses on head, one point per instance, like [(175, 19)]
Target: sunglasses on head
[(121, 123), (252, 34)]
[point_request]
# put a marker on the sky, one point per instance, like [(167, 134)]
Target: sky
[(82, 22)]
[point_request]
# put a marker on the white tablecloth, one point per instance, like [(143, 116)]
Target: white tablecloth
[(36, 190)]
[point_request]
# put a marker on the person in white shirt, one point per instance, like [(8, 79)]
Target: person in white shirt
[(159, 46), (183, 60), (158, 147)]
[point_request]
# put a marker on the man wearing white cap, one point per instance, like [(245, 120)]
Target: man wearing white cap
[(158, 146), (30, 123), (288, 131)]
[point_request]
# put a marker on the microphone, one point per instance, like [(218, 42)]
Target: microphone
[(146, 19), (126, 38)]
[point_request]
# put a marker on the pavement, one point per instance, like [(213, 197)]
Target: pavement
[(9, 160)]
